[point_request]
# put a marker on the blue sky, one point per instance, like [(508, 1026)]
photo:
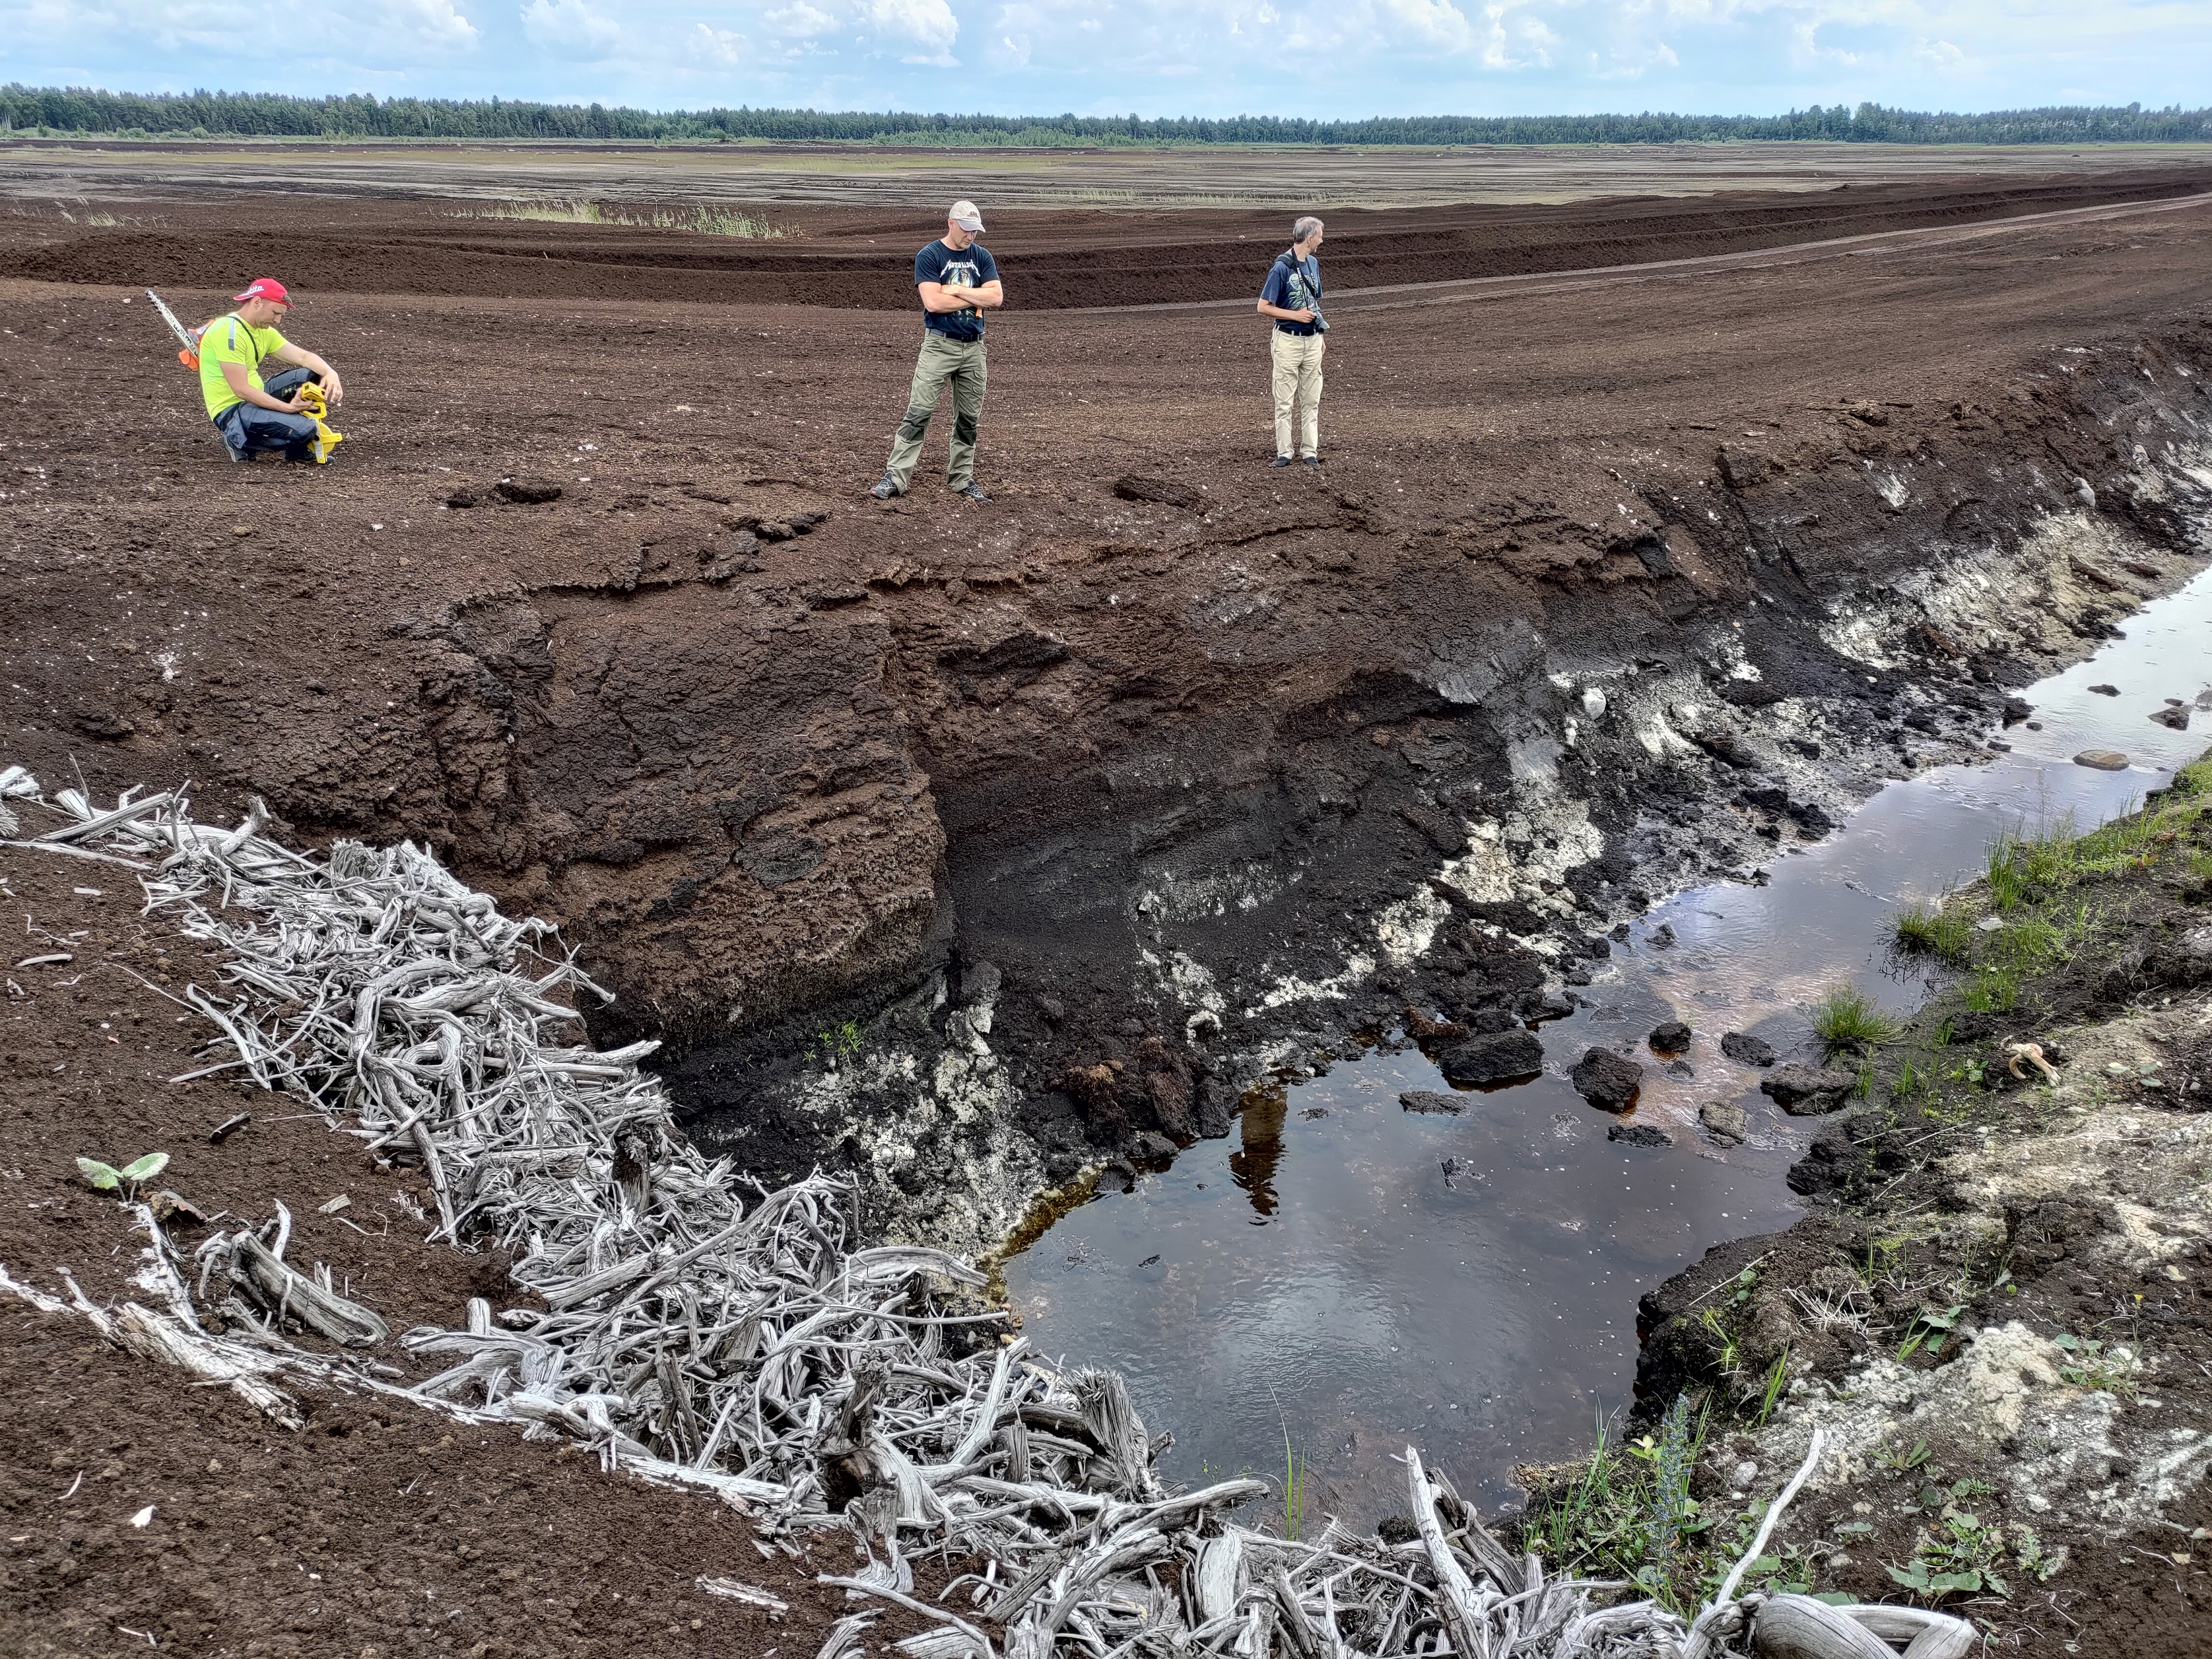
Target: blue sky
[(1322, 57)]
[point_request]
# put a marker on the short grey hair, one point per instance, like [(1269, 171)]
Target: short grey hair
[(1304, 228)]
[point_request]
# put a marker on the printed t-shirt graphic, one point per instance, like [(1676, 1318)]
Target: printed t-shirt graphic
[(231, 340), (971, 267), (1295, 285)]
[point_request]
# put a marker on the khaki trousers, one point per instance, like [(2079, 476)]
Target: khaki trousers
[(1297, 376), (960, 363)]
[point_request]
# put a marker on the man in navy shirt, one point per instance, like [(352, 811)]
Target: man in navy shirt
[(1292, 297), (959, 282)]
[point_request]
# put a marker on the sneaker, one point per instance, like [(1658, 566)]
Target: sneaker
[(972, 491), (1311, 460), (1280, 460), (885, 489)]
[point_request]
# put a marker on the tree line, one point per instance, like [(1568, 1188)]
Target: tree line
[(84, 112)]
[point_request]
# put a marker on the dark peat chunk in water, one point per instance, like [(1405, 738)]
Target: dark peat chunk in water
[(1672, 1038), (1747, 1050), (1494, 1057), (1606, 1079), (1807, 1090)]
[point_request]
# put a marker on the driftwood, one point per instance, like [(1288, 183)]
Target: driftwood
[(701, 1330)]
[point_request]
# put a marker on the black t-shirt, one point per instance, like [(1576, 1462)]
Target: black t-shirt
[(971, 267)]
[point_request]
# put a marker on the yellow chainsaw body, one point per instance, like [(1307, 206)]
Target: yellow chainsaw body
[(317, 407)]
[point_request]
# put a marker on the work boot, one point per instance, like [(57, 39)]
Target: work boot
[(886, 489), (972, 491), (1280, 460)]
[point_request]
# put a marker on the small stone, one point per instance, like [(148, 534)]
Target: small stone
[(1432, 1102), (1662, 935), (2102, 760), (1671, 1038), (2175, 718), (1150, 1147), (1638, 1134), (1747, 1050), (1606, 1079), (1807, 1090), (2106, 690), (1724, 1121), (1682, 1069), (1493, 1058)]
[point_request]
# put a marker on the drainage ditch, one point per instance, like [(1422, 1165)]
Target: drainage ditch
[(1352, 1267)]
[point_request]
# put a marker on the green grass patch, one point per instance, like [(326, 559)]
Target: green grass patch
[(1940, 930), (1628, 1513), (1847, 1018)]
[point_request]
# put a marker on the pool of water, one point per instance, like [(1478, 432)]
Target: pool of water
[(1348, 1276)]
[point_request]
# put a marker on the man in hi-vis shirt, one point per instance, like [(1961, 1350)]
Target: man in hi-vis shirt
[(254, 408), (959, 282)]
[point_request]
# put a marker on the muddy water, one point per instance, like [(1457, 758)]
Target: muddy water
[(1349, 1275)]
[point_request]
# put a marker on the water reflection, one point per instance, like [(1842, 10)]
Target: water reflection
[(1469, 1282), (1252, 1166)]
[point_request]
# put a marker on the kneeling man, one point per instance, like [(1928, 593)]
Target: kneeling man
[(254, 410)]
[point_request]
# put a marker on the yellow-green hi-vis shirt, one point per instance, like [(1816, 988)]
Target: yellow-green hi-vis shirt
[(231, 340)]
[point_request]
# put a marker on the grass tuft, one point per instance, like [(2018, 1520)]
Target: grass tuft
[(1939, 930), (1846, 1018)]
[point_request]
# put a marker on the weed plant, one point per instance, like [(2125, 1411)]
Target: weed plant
[(1846, 1018), (1628, 1513)]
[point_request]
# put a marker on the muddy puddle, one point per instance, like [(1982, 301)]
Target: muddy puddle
[(1348, 1275)]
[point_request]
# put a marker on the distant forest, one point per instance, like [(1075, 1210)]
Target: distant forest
[(79, 111)]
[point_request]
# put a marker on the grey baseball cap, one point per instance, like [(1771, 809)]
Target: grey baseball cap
[(964, 214)]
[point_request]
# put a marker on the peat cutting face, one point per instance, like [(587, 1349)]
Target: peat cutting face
[(966, 845)]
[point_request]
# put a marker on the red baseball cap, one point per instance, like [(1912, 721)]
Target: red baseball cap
[(266, 288)]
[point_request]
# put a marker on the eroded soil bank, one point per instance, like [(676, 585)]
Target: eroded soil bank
[(1996, 1312), (966, 846)]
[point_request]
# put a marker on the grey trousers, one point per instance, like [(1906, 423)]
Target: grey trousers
[(960, 364)]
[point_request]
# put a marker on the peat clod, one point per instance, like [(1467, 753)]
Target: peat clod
[(1432, 1103), (1747, 1050), (1807, 1090), (528, 492), (1494, 1058), (1606, 1079)]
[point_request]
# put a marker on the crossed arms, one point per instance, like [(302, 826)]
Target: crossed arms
[(936, 296)]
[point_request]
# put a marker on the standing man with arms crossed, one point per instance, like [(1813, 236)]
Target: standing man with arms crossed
[(253, 413), (958, 281), (1292, 297)]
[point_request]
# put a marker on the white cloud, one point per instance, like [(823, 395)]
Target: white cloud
[(928, 24), (720, 48), (376, 33), (569, 26), (800, 21)]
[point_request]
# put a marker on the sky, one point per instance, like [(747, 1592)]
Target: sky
[(1344, 58)]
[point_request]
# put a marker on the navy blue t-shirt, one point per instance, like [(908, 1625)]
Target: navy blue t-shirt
[(1295, 285), (971, 267)]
